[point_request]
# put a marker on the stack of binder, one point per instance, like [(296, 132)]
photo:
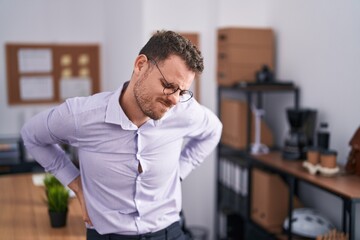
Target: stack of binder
[(234, 176)]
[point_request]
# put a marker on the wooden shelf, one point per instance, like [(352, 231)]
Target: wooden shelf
[(258, 87), (343, 184)]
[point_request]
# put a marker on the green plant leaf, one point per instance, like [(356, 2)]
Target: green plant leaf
[(50, 181), (57, 195), (58, 198)]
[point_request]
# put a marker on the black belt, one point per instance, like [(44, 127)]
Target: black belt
[(172, 230)]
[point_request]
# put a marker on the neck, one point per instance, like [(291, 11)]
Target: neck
[(130, 106)]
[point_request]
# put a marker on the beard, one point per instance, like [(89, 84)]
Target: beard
[(152, 107)]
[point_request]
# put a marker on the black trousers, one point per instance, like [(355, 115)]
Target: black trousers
[(172, 232)]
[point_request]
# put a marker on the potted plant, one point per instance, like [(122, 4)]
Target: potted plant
[(57, 200)]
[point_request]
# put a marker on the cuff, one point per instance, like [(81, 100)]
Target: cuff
[(67, 174)]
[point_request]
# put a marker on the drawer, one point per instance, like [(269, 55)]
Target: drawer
[(242, 55), (232, 73), (246, 36)]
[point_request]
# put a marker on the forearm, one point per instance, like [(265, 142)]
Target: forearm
[(75, 185)]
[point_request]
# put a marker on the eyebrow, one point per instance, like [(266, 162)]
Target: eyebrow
[(166, 83), (163, 77)]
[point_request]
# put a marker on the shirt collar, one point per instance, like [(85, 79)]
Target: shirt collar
[(114, 112), (116, 115)]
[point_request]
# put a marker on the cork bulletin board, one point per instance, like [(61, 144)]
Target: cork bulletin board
[(51, 73)]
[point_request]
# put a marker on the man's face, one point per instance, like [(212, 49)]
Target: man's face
[(149, 88)]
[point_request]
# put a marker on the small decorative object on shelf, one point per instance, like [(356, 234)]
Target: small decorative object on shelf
[(57, 199), (257, 147), (353, 163), (323, 137), (300, 134), (322, 161), (265, 75)]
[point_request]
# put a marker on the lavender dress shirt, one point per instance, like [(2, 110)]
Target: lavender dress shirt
[(118, 198)]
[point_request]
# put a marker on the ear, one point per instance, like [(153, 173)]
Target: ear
[(140, 63)]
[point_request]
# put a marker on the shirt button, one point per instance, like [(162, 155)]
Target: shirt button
[(138, 156), (138, 218)]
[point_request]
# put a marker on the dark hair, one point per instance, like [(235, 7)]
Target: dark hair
[(163, 44)]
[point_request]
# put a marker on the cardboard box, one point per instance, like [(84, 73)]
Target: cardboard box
[(242, 52), (270, 196), (269, 200), (234, 118)]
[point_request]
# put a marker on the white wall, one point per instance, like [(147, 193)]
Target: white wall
[(243, 13), (123, 37)]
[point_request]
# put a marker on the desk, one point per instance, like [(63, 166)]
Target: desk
[(24, 212), (345, 186)]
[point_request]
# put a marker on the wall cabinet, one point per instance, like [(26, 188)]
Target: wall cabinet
[(235, 183), (234, 167)]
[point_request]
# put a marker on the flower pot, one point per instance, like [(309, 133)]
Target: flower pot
[(58, 219)]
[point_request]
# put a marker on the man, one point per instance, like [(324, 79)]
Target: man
[(134, 144)]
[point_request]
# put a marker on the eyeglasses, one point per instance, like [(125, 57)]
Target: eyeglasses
[(169, 88)]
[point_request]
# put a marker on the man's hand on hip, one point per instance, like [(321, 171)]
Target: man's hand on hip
[(77, 188)]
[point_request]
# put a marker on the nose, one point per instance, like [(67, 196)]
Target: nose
[(174, 98)]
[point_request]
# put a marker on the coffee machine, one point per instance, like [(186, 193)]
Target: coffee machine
[(301, 133)]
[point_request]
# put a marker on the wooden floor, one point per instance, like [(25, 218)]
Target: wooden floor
[(24, 216)]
